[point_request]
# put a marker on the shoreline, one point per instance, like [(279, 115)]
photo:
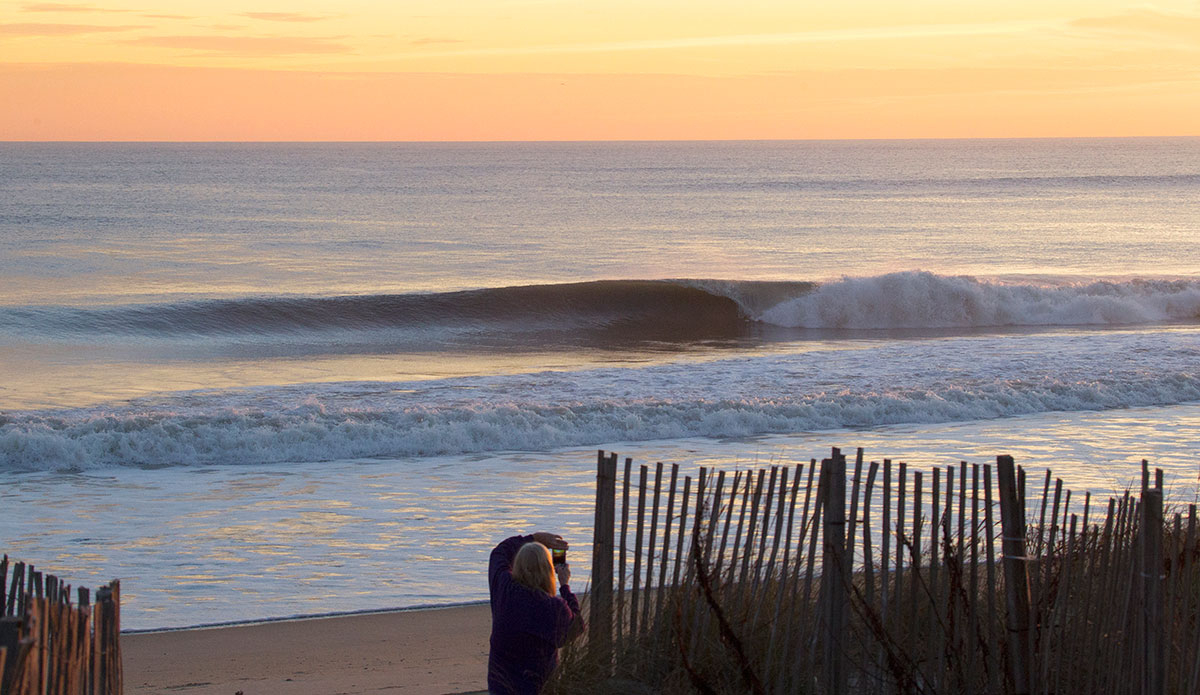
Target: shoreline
[(417, 651)]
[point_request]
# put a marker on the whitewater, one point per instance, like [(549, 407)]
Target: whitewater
[(348, 369)]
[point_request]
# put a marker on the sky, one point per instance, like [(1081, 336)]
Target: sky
[(420, 70)]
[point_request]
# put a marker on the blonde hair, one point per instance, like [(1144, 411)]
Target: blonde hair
[(533, 568)]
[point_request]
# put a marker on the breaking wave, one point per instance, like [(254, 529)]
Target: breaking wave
[(926, 300), (621, 312)]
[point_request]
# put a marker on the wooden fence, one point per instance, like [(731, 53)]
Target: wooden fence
[(49, 646), (871, 577)]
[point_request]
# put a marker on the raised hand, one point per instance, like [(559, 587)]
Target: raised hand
[(552, 541)]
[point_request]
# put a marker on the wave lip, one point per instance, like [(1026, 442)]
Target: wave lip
[(917, 299)]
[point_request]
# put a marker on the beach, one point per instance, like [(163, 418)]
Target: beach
[(304, 309), (260, 381), (410, 652)]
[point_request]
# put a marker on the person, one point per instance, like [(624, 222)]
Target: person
[(530, 621)]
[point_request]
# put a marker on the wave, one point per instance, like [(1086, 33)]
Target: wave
[(926, 300), (620, 312)]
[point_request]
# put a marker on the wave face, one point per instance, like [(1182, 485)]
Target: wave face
[(579, 312), (926, 300), (856, 384)]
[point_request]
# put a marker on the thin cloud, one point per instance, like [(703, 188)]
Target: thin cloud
[(167, 16), (285, 16), (246, 45), (65, 7), (430, 41), (47, 29), (1145, 22), (738, 40)]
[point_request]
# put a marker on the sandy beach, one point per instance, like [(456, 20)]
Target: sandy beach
[(414, 652)]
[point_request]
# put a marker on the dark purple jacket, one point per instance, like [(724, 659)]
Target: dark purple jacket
[(528, 626)]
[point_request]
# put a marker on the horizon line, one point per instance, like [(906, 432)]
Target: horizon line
[(589, 141)]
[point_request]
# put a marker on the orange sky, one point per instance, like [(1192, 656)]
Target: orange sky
[(610, 69)]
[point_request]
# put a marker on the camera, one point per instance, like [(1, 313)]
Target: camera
[(560, 556)]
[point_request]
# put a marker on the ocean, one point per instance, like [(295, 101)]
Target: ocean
[(256, 381)]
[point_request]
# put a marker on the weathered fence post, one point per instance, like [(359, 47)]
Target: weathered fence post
[(106, 638), (1153, 654), (635, 592), (835, 572), (622, 549), (10, 644), (1016, 578), (600, 599)]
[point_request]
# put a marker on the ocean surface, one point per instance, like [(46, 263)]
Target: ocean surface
[(265, 380)]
